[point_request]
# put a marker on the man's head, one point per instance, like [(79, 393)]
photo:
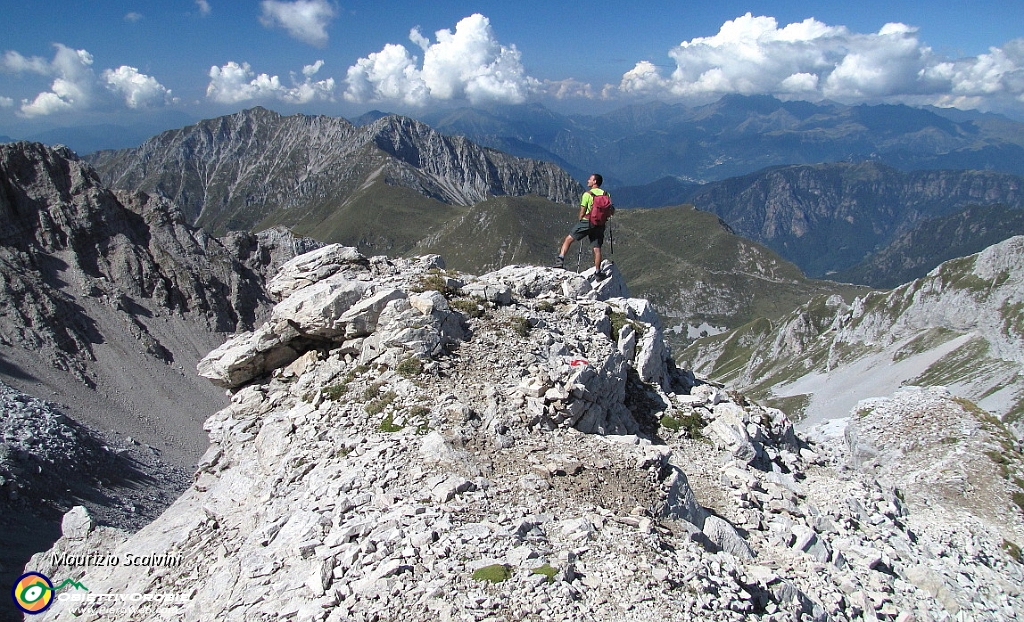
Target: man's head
[(595, 181)]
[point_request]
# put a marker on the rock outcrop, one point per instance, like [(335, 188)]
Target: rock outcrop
[(518, 445)]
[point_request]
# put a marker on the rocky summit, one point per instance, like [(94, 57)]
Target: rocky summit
[(408, 443)]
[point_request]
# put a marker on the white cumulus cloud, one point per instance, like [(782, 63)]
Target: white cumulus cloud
[(812, 60), (16, 63), (138, 89), (468, 63), (204, 7), (305, 20), (75, 85), (233, 83)]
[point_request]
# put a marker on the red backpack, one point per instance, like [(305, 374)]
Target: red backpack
[(600, 208)]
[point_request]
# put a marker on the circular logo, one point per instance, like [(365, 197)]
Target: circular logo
[(33, 592)]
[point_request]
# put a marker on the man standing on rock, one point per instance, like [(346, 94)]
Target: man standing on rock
[(594, 213)]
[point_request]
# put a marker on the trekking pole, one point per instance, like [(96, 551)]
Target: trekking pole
[(611, 241), (579, 256)]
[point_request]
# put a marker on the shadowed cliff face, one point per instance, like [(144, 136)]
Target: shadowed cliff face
[(109, 297), (107, 301)]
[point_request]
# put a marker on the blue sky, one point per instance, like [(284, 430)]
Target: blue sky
[(78, 62)]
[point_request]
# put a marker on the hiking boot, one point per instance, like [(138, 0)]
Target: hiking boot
[(559, 262), (600, 275)]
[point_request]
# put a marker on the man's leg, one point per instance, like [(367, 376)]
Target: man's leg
[(560, 260), (566, 243)]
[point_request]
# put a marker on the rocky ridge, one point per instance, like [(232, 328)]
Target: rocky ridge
[(960, 326), (232, 172), (404, 442)]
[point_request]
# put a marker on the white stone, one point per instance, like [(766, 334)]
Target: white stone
[(77, 523)]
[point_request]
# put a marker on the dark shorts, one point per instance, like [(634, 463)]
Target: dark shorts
[(584, 229)]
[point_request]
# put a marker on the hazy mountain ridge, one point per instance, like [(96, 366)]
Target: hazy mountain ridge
[(738, 135), (913, 254), (235, 171), (960, 326), (828, 217)]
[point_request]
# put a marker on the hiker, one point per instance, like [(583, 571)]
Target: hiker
[(594, 213)]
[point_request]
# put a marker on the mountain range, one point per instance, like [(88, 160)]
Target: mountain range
[(387, 185), (737, 135), (827, 218), (396, 186), (256, 167)]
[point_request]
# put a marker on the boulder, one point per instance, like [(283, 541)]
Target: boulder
[(313, 267)]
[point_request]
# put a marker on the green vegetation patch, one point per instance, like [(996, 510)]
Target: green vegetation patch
[(434, 280), (418, 417), (1013, 318), (335, 391), (620, 321), (468, 307), (521, 326), (739, 347), (495, 573), (959, 273), (966, 361), (378, 405), (820, 314), (547, 570), (388, 424), (410, 367), (1018, 498), (793, 405), (1016, 413), (692, 423)]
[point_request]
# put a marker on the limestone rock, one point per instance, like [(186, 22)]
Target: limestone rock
[(77, 523), (313, 267)]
